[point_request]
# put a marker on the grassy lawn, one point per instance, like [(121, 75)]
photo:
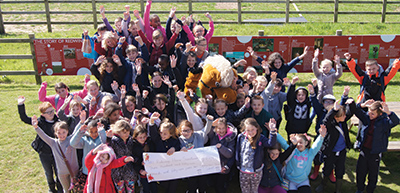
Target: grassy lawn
[(20, 168)]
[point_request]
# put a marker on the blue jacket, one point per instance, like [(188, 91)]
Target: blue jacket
[(382, 126), (259, 151)]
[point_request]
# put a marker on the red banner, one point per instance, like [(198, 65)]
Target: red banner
[(64, 56)]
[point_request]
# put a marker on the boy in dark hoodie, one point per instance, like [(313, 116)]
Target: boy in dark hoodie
[(297, 110)]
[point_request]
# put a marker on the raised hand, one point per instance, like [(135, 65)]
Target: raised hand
[(347, 56), (126, 15), (336, 105), (286, 81), (172, 12), (241, 62), (167, 81), (310, 89), (208, 16), (210, 117), (138, 66), (188, 46), (273, 76), (265, 66), (322, 130), (293, 139), (272, 125), (136, 14), (102, 11), (181, 95), (83, 128), (173, 60), (21, 100), (367, 103), (304, 52), (123, 91), (127, 7), (129, 159), (135, 88), (295, 79), (316, 53), (93, 101), (346, 90), (385, 108), (145, 93), (114, 85), (336, 59), (82, 116), (154, 117), (68, 99), (314, 82), (100, 60), (34, 121), (122, 40), (85, 32)]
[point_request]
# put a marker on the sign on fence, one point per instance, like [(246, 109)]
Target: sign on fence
[(61, 57), (195, 162), (64, 56)]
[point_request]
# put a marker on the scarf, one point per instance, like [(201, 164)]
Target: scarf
[(95, 174)]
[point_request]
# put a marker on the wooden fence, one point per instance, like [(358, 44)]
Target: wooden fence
[(22, 56), (94, 3)]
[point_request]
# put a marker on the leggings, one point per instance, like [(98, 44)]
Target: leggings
[(123, 186)]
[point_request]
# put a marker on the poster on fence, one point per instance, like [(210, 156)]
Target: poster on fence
[(195, 162), (64, 56), (61, 57)]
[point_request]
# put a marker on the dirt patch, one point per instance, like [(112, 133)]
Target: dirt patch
[(226, 6)]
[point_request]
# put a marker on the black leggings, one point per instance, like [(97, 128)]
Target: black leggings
[(301, 189)]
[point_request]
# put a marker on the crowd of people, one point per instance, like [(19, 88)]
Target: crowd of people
[(93, 140)]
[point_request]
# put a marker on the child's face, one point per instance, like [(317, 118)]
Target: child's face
[(158, 41), (278, 63), (104, 158), (301, 96), (133, 30), (191, 61), (160, 104), (201, 109), (164, 133), (124, 134), (301, 144), (62, 92), (373, 114), (155, 22), (326, 68), (198, 31), (114, 116), (372, 69), (156, 81), (93, 132), (221, 129), (273, 154), (76, 110), (240, 102), (130, 106), (109, 67), (186, 132), (111, 42), (62, 134), (257, 105), (328, 104), (341, 118), (163, 63), (118, 25), (251, 77), (202, 46), (277, 89), (132, 55), (221, 108), (48, 114), (261, 86), (141, 138), (93, 90), (251, 130)]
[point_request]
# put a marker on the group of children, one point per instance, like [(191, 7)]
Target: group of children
[(100, 133)]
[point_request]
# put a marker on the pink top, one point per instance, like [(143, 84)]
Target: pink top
[(149, 29), (208, 35), (52, 98)]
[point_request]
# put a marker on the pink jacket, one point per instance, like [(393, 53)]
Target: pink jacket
[(149, 29), (191, 36)]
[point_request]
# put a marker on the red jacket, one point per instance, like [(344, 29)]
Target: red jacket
[(106, 184)]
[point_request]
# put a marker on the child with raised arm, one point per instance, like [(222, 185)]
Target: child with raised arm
[(196, 116), (107, 71), (259, 113), (220, 109), (274, 101), (100, 161), (117, 22), (64, 154), (298, 165), (190, 139), (63, 92), (130, 103), (152, 23), (173, 24), (250, 154), (165, 139), (71, 119), (326, 77), (339, 141), (46, 121), (94, 98), (224, 138), (275, 63), (372, 82), (297, 110), (198, 31), (373, 140)]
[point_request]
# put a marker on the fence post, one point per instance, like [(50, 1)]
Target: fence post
[(384, 11), (239, 11), (94, 12), (336, 11), (2, 30), (46, 5), (287, 11), (37, 77), (142, 7), (190, 6)]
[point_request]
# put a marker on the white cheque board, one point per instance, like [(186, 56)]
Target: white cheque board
[(195, 162)]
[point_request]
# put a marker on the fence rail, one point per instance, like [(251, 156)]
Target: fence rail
[(335, 12), (22, 57)]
